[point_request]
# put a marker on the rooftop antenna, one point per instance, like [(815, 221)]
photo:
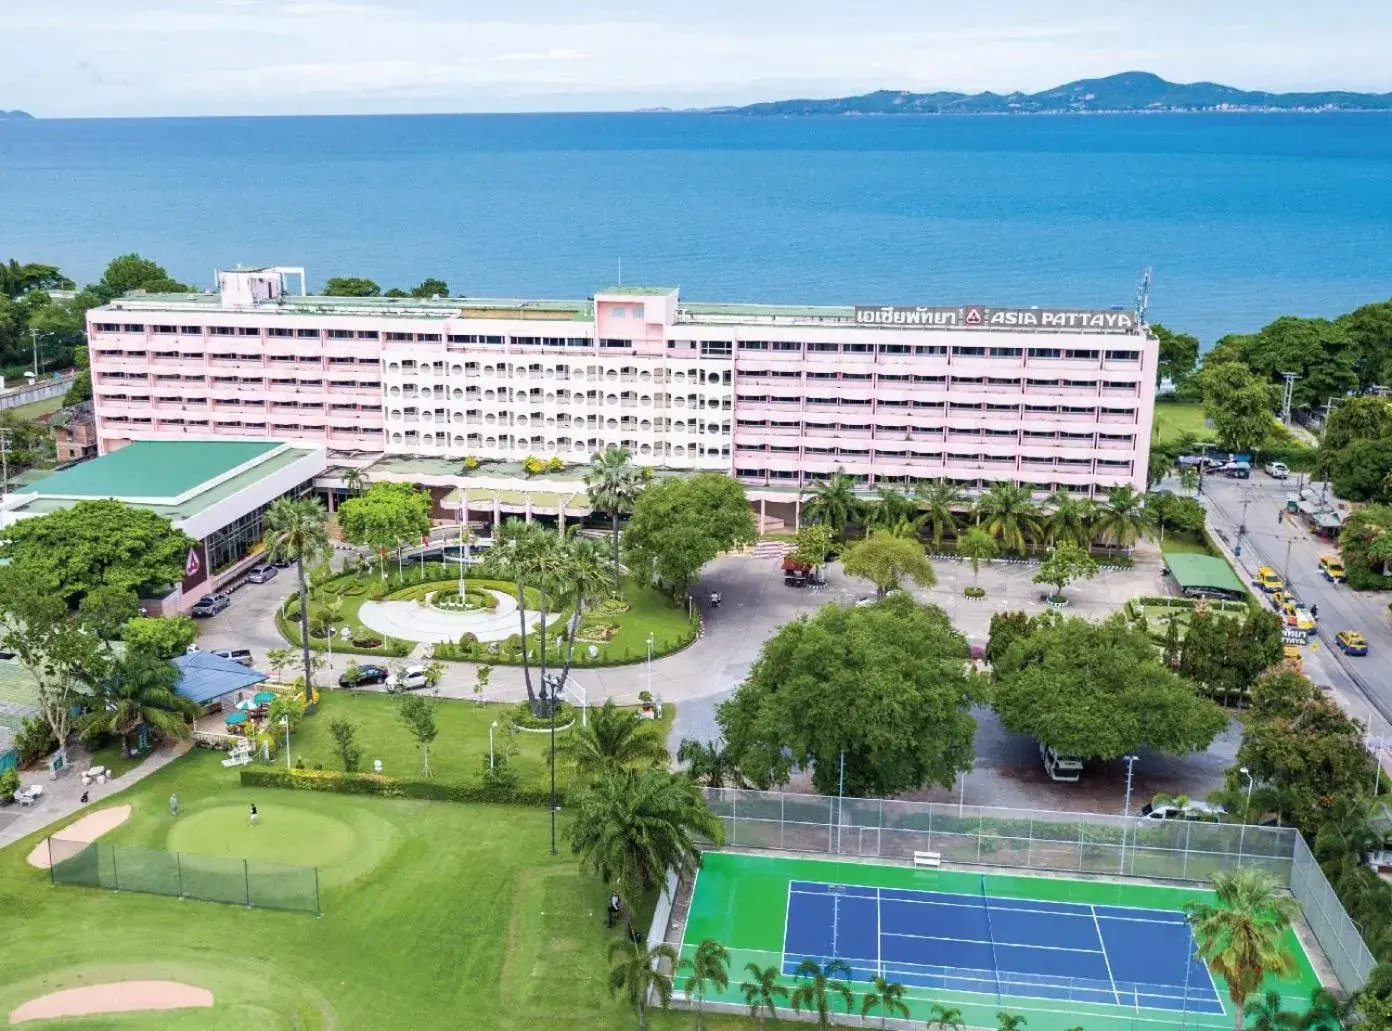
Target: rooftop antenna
[(1143, 295)]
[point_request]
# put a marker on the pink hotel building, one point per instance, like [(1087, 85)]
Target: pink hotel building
[(778, 396)]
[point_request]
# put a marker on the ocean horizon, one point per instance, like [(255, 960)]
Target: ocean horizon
[(1241, 217)]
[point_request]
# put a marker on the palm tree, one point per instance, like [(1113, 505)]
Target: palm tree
[(353, 481), (760, 993), (514, 557), (939, 504), (891, 507), (710, 764), (1326, 1013), (299, 532), (1123, 519), (613, 485), (817, 984), (977, 546), (833, 502), (945, 1018), (1265, 1013), (630, 828), (1010, 1021), (140, 690), (613, 740), (1008, 513), (1243, 937), (885, 996), (710, 968), (586, 570), (1069, 519), (638, 971)]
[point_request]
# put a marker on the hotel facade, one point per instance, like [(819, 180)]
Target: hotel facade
[(777, 396)]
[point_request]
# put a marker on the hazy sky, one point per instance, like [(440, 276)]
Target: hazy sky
[(170, 57)]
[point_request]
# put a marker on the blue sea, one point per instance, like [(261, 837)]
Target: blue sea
[(1241, 217)]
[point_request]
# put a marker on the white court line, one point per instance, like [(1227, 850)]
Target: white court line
[(686, 924), (980, 941), (787, 915), (879, 938), (1082, 914), (1105, 958)]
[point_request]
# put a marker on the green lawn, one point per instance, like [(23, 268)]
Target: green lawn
[(38, 408), (1179, 543), (1173, 420), (436, 915), (457, 754)]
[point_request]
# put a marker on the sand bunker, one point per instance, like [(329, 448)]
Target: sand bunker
[(89, 828), (118, 997)]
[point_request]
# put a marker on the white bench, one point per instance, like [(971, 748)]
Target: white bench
[(927, 859)]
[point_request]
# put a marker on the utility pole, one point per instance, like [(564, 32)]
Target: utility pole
[(1290, 377), (1242, 526), (4, 462), (1126, 810), (34, 336)]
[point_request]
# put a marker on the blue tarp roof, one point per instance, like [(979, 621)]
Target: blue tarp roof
[(206, 677)]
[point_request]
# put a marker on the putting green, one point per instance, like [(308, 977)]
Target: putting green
[(285, 833)]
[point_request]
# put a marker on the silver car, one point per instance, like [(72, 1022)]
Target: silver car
[(261, 574)]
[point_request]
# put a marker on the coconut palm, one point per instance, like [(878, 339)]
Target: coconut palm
[(1069, 519), (514, 557), (977, 546), (816, 986), (939, 503), (710, 764), (1326, 1012), (891, 507), (613, 740), (885, 996), (1265, 1013), (761, 992), (613, 485), (141, 690), (833, 502), (1122, 520), (945, 1018), (587, 573), (710, 968), (298, 532), (639, 971), (353, 481), (1243, 937), (630, 828), (1008, 513), (1010, 1021)]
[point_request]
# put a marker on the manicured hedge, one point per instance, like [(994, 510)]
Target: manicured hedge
[(390, 787)]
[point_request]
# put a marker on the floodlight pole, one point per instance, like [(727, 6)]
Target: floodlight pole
[(553, 761), (1246, 813), (285, 722), (1126, 810), (840, 795), (491, 727)]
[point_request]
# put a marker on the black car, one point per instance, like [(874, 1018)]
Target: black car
[(366, 675), (209, 605)]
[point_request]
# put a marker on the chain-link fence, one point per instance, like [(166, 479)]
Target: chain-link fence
[(1080, 843), (242, 882)]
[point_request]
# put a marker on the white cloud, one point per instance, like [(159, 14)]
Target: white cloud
[(294, 56)]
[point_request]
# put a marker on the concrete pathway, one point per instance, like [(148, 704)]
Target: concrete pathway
[(420, 621)]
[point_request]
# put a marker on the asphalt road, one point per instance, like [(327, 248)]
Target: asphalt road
[(1363, 685)]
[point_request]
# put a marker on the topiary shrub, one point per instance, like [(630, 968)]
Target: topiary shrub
[(975, 592), (367, 642)]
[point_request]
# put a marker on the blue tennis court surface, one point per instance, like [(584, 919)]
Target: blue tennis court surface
[(1111, 955)]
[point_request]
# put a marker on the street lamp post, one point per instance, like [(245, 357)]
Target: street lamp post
[(285, 722), (1246, 813), (650, 651), (1126, 810), (491, 727)]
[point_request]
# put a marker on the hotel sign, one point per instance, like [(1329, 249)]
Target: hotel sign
[(978, 316)]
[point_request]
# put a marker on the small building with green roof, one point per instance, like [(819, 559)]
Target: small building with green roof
[(1204, 576)]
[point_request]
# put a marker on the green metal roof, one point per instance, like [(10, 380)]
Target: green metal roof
[(163, 469), (1203, 571)]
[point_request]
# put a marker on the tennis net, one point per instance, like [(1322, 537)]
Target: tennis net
[(991, 934)]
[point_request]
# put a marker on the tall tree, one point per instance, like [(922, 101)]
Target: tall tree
[(891, 507), (886, 686), (1242, 937), (431, 287), (833, 502), (977, 546), (95, 544), (945, 1018), (818, 985), (1099, 690), (614, 740), (681, 523), (1179, 352), (1066, 562), (1267, 1012), (1008, 513), (885, 996), (513, 557), (886, 561), (106, 611), (351, 286), (1068, 518), (630, 828), (1122, 519), (1240, 404), (141, 690), (710, 764), (762, 992), (132, 272), (298, 532), (385, 517), (640, 971), (710, 969), (613, 485), (586, 573), (816, 542), (1225, 654), (417, 714), (940, 502), (18, 279)]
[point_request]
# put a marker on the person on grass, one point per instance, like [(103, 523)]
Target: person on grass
[(173, 805), (614, 907), (253, 817)]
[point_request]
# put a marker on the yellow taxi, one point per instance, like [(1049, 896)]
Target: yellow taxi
[(1278, 599), (1269, 581), (1290, 654), (1297, 615), (1351, 642), (1332, 568)]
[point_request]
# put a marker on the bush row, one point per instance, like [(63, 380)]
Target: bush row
[(390, 787), (290, 630)]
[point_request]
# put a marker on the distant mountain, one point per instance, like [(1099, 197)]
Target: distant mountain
[(17, 115), (1129, 91)]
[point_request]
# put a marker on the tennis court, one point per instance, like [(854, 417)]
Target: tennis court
[(1108, 955)]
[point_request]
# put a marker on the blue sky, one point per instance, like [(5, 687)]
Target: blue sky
[(173, 57)]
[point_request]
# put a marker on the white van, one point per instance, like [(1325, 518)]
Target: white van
[(410, 679), (1277, 470), (1060, 767)]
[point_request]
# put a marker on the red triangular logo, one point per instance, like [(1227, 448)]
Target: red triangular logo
[(974, 317), (192, 565)]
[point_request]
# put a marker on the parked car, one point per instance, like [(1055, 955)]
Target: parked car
[(367, 674), (1060, 767), (1277, 470), (1269, 581), (410, 679), (1181, 809), (261, 574), (242, 655), (1351, 642), (1236, 470), (1297, 615), (209, 605), (1332, 568)]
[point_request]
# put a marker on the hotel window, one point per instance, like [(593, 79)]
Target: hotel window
[(1006, 352), (279, 331), (932, 351), (856, 377), (221, 331), (969, 352), (893, 379), (888, 349), (821, 375), (1130, 388), (627, 343), (1078, 355), (307, 334), (165, 329), (787, 345), (133, 327), (191, 330), (753, 345), (1123, 356), (1043, 352), (1010, 409), (715, 348), (883, 403), (340, 334), (935, 380), (107, 327), (823, 348), (859, 348), (367, 334), (932, 405), (248, 331), (429, 338), (398, 336), (1041, 409)]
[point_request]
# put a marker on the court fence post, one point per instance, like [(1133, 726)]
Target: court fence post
[(980, 830), (1081, 825), (734, 818), (782, 818)]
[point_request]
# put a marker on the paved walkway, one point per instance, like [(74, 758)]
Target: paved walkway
[(62, 797), (419, 621)]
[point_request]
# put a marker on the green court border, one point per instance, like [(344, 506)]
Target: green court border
[(741, 900)]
